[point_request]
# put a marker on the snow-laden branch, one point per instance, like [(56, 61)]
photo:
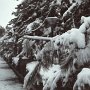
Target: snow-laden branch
[(70, 9), (56, 79), (30, 68), (29, 26), (76, 36), (72, 36), (49, 75), (37, 38)]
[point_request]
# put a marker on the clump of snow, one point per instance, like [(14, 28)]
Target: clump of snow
[(30, 67), (85, 25), (83, 78), (64, 39), (59, 2), (47, 31), (85, 19), (77, 1), (15, 60), (77, 37), (74, 36), (48, 75), (12, 39), (29, 27), (39, 54)]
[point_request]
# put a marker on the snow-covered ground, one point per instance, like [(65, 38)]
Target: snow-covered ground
[(8, 80)]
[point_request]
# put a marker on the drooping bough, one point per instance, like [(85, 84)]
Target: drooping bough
[(78, 43)]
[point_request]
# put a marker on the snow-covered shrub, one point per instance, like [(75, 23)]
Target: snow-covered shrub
[(83, 80)]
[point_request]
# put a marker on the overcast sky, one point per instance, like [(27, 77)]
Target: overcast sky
[(6, 8)]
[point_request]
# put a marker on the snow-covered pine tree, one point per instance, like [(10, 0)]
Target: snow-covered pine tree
[(49, 18)]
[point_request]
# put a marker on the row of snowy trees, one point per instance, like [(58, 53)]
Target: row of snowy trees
[(49, 44)]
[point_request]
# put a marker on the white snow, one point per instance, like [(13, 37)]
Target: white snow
[(30, 67), (85, 19), (15, 60), (77, 1), (54, 83), (69, 9), (82, 78), (85, 25), (39, 54), (47, 31), (83, 56), (74, 36), (38, 38), (78, 38), (29, 26), (59, 2), (48, 75), (12, 39)]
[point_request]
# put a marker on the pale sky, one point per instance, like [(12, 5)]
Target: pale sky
[(6, 9)]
